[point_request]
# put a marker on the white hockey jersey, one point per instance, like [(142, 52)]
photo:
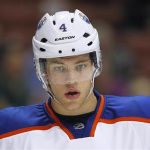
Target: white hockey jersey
[(118, 123)]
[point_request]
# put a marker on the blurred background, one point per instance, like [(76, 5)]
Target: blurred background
[(124, 30)]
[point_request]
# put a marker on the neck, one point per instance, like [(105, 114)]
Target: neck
[(88, 105)]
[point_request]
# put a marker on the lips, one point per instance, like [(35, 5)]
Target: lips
[(72, 94)]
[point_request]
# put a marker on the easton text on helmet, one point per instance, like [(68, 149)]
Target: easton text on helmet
[(64, 38)]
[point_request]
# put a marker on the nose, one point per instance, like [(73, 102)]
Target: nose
[(71, 77)]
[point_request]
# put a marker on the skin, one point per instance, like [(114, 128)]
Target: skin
[(86, 101)]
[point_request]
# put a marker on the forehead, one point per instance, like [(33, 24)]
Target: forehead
[(69, 59)]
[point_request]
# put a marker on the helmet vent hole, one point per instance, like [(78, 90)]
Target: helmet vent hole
[(42, 49), (86, 35), (54, 22), (60, 51), (73, 50), (72, 20), (90, 43), (44, 40)]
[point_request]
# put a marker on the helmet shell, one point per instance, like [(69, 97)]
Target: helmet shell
[(64, 34)]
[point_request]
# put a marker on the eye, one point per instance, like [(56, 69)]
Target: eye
[(81, 67), (59, 69)]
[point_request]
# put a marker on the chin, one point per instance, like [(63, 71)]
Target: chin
[(73, 107)]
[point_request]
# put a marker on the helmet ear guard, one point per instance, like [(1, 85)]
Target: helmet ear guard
[(65, 34)]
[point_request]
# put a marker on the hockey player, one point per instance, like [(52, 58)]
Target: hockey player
[(67, 59)]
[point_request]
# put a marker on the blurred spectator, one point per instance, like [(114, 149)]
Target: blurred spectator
[(140, 86), (13, 89)]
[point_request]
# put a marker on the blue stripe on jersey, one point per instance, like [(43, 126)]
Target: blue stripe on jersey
[(15, 118), (129, 106)]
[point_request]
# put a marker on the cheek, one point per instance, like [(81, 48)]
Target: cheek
[(85, 86), (57, 88)]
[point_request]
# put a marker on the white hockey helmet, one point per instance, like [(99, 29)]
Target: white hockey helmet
[(65, 34)]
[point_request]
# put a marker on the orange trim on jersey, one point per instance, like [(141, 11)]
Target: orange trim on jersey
[(112, 121), (100, 109), (70, 135), (26, 130)]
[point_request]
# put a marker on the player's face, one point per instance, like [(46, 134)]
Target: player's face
[(70, 80)]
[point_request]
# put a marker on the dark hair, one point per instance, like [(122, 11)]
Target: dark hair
[(93, 58)]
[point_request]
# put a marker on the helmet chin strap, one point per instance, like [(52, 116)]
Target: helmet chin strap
[(92, 83), (50, 92)]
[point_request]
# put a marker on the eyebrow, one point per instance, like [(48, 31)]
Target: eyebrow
[(82, 61), (55, 62)]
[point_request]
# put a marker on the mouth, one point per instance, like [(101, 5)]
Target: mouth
[(72, 95)]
